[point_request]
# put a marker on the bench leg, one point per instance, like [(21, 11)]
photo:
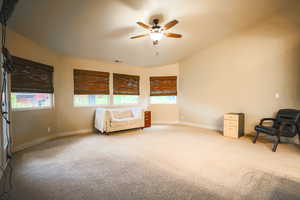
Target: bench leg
[(255, 137)]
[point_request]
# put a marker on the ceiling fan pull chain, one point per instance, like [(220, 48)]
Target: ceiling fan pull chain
[(156, 49)]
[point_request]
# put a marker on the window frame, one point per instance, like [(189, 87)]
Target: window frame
[(163, 85), (127, 104), (26, 78), (162, 103), (52, 105), (94, 105)]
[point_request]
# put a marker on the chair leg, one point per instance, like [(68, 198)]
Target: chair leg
[(255, 137), (276, 144)]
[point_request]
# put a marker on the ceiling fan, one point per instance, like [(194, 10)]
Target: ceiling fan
[(157, 32)]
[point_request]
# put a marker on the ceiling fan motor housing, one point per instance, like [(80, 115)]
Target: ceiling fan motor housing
[(155, 22)]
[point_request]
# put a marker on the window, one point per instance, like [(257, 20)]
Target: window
[(125, 84), (126, 99), (31, 77), (31, 100), (90, 82), (126, 89), (31, 84), (163, 90), (91, 88), (163, 86), (91, 100), (163, 99)]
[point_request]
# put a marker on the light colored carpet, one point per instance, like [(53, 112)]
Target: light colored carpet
[(162, 162)]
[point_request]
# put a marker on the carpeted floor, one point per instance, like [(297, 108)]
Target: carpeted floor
[(163, 162)]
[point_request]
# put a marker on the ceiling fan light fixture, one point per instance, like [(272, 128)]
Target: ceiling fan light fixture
[(157, 32), (156, 35)]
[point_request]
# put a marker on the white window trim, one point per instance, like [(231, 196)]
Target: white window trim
[(33, 108), (91, 106), (133, 104), (94, 105), (110, 103), (162, 103), (127, 104)]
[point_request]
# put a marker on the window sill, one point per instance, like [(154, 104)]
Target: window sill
[(107, 106), (91, 106), (134, 104), (31, 109), (163, 103)]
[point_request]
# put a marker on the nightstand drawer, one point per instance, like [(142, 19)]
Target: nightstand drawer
[(231, 123), (147, 119), (231, 117)]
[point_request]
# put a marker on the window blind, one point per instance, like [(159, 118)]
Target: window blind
[(91, 82), (163, 86), (126, 84), (31, 77)]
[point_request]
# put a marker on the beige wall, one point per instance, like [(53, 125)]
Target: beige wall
[(163, 113), (29, 126), (242, 74), (70, 118)]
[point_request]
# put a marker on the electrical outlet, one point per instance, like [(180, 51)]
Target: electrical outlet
[(49, 129)]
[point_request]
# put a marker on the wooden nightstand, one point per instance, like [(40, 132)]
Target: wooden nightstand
[(147, 117), (234, 125)]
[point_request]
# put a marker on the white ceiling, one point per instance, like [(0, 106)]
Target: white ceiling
[(100, 29)]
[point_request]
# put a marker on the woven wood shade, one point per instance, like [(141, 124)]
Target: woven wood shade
[(163, 86), (31, 77), (91, 82), (126, 84)]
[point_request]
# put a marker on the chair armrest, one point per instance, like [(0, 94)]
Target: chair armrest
[(266, 119)]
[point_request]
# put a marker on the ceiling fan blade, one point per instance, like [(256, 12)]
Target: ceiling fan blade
[(170, 24), (138, 36), (144, 25), (173, 35)]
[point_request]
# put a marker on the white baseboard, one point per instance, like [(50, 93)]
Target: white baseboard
[(201, 125), (83, 131), (187, 124), (69, 133), (33, 143), (50, 137)]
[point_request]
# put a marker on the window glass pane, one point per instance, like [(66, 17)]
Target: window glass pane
[(90, 100), (163, 99), (31, 100), (126, 99)]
